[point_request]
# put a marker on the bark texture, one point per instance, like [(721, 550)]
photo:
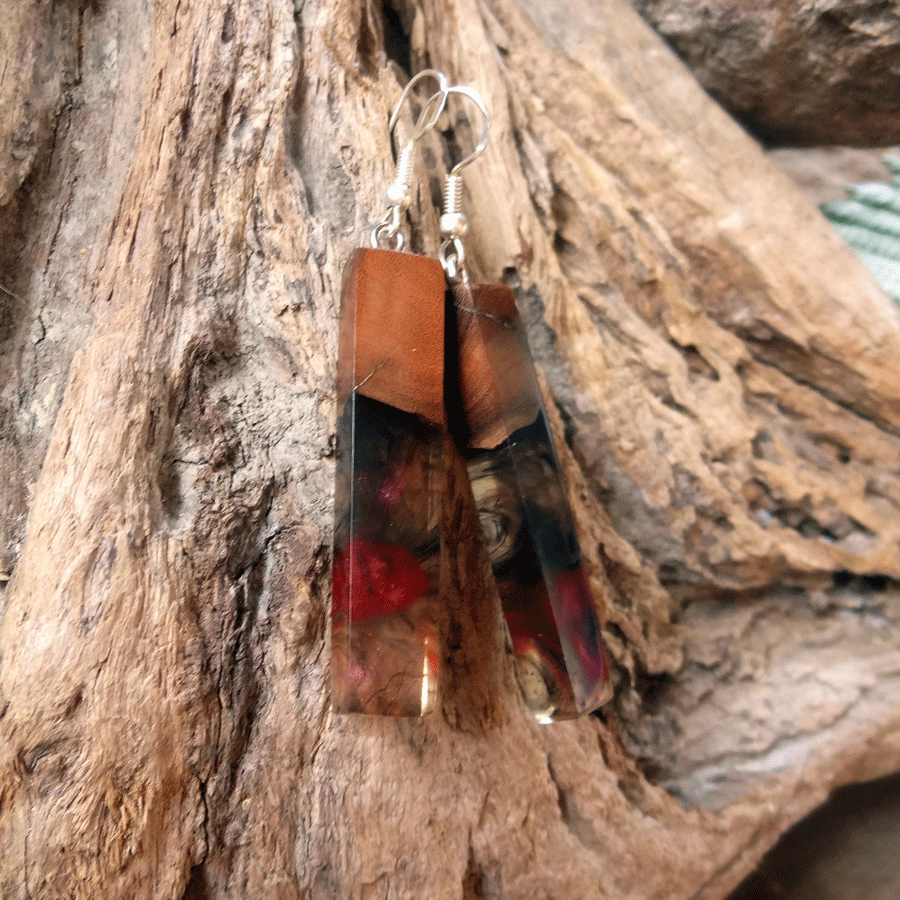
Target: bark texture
[(721, 376), (818, 72)]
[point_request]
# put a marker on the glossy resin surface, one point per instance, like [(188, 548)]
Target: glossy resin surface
[(525, 516), (385, 634)]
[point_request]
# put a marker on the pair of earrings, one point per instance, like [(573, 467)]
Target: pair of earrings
[(391, 429)]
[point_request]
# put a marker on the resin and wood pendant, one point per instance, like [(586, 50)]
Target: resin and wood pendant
[(390, 433), (525, 516)]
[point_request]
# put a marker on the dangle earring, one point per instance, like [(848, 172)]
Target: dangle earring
[(390, 435), (525, 517)]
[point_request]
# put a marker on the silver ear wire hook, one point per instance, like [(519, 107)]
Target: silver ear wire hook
[(427, 119), (454, 225), (475, 97), (399, 194)]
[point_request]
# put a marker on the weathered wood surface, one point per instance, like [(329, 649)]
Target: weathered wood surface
[(725, 393), (813, 73)]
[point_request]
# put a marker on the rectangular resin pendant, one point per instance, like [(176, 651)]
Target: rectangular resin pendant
[(525, 517), (390, 427)]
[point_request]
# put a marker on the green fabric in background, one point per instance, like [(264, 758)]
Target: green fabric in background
[(870, 222)]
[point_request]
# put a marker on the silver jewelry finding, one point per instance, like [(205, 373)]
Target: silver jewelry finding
[(398, 196), (454, 224)]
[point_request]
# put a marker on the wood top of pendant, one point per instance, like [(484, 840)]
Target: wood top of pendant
[(392, 327), (497, 381)]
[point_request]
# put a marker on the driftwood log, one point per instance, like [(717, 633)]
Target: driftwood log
[(816, 72), (182, 183)]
